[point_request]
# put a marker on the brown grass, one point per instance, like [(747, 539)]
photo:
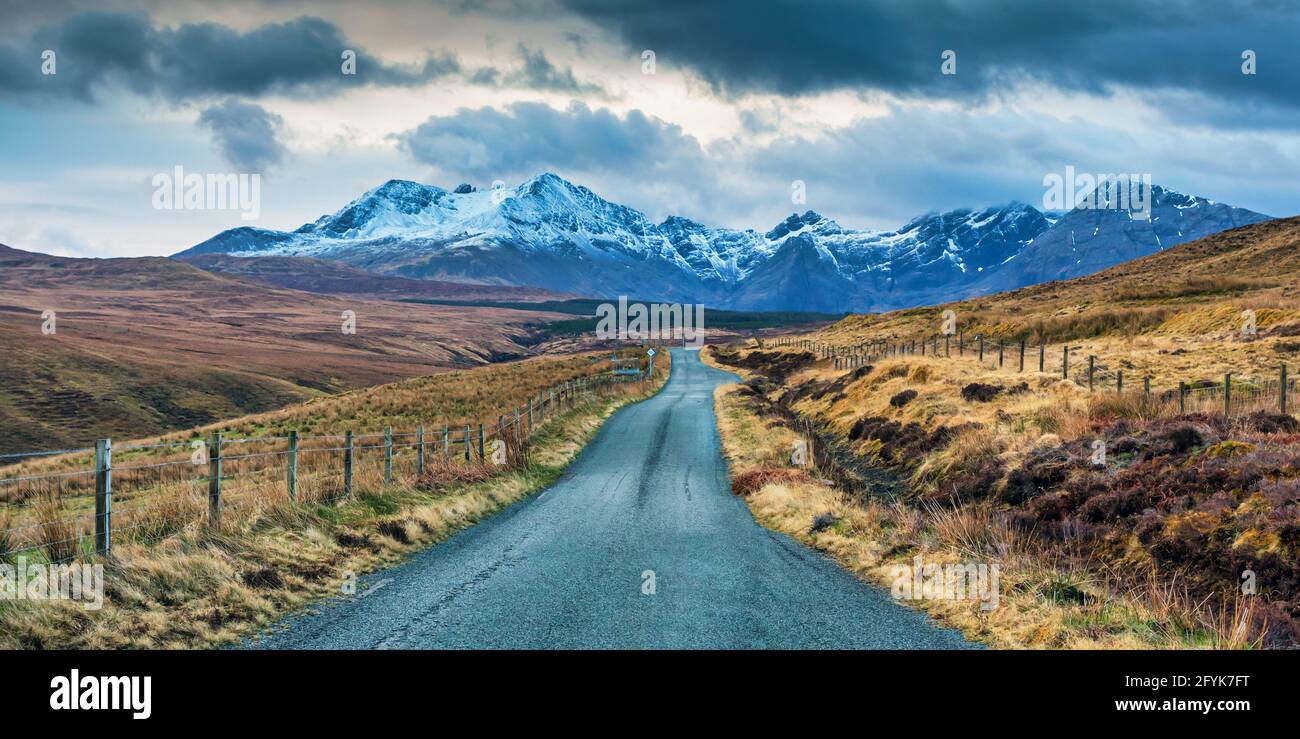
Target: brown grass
[(187, 584), (1053, 596)]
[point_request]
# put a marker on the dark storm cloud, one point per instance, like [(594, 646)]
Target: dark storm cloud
[(246, 134), (851, 172), (196, 60), (538, 73), (526, 138), (807, 46)]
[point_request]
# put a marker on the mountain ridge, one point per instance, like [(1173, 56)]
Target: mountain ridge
[(552, 234)]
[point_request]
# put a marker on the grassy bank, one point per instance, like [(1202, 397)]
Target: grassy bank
[(200, 588), (1058, 588)]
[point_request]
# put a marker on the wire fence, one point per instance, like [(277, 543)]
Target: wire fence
[(1231, 395), (81, 503)]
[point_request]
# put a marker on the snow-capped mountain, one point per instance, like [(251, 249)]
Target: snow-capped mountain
[(552, 234)]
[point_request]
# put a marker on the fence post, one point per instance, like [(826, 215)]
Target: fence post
[(347, 463), (481, 451), (947, 348), (291, 466), (1001, 352), (388, 454), (1042, 357), (1065, 362), (214, 481), (1281, 403), (103, 496), (1092, 366), (468, 444), (981, 338), (530, 418), (446, 443), (961, 343), (419, 450), (1182, 398), (1227, 394), (1119, 382), (1022, 355), (1146, 388)]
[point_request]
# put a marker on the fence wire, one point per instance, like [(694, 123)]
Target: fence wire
[(61, 505)]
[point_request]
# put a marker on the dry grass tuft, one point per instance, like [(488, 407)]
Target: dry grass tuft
[(750, 481)]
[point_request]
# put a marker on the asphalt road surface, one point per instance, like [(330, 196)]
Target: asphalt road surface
[(570, 567)]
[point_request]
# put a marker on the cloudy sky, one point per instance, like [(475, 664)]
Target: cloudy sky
[(707, 109)]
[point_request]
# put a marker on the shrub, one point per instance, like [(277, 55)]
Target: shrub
[(901, 399), (978, 392), (822, 521)]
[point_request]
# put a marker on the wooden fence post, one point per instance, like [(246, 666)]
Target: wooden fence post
[(530, 418), (1146, 388), (419, 450), (1065, 362), (1001, 352), (947, 348), (961, 343), (1281, 403), (1022, 355), (103, 496), (1042, 357), (388, 454), (1227, 394), (1119, 382), (482, 454), (446, 443), (1182, 398), (981, 338), (468, 444), (291, 466), (1092, 366), (214, 481), (347, 463)]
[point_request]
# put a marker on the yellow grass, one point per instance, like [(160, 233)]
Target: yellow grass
[(194, 586), (1046, 602)]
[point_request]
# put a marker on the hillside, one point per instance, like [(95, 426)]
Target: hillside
[(1158, 312), (182, 578), (336, 278), (146, 345)]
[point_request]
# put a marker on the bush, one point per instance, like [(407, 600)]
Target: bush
[(751, 481), (822, 521), (903, 398), (978, 392)]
